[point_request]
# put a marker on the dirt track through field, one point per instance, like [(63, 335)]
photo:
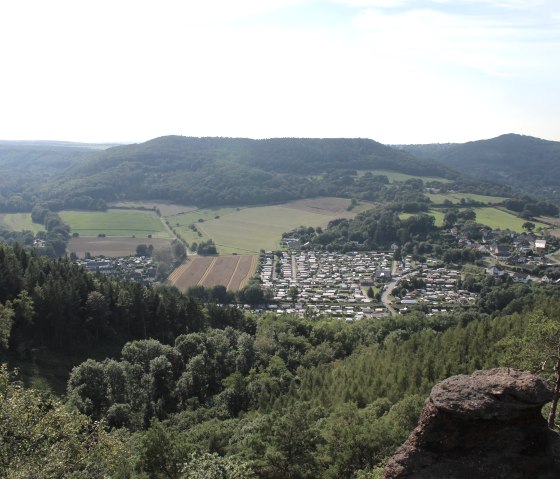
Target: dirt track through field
[(232, 271)]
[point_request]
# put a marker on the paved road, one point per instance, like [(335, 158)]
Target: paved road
[(385, 297), (389, 290)]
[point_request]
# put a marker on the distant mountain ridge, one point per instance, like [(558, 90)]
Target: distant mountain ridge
[(211, 171), (526, 163)]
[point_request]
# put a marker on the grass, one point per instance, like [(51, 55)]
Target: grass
[(250, 229), (496, 218), (20, 222), (182, 222), (204, 214), (396, 176), (438, 215), (253, 229), (165, 208), (491, 217), (363, 206), (115, 223), (455, 198), (245, 230)]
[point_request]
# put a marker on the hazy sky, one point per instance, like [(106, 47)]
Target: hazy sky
[(396, 71)]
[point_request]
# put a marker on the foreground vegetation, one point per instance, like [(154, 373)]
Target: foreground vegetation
[(201, 387), (144, 382)]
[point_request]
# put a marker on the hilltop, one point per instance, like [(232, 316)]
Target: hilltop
[(525, 163), (210, 171)]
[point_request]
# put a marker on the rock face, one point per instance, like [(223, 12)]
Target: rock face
[(487, 425)]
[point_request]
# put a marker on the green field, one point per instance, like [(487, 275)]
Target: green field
[(20, 222), (115, 223), (243, 230), (439, 199), (491, 217), (253, 229), (181, 223), (396, 176), (438, 215), (496, 218)]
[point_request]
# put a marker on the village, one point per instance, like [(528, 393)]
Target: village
[(362, 284), (356, 285), (140, 269)]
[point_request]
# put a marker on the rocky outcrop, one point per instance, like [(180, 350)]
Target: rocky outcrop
[(486, 425)]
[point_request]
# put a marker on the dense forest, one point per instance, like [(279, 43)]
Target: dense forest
[(189, 386), (203, 171), (528, 164), (219, 171), (212, 171)]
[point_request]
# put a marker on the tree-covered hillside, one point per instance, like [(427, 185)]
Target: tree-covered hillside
[(27, 165), (210, 171), (522, 162)]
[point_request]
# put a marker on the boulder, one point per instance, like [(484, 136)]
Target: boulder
[(484, 425)]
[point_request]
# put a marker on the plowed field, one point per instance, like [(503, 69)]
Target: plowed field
[(231, 271)]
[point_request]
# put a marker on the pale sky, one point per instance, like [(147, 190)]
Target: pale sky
[(396, 71)]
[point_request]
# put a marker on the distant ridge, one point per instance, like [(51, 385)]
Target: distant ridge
[(526, 163), (212, 171), (56, 144)]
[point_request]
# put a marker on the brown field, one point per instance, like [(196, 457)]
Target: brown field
[(219, 270), (112, 246), (231, 271), (190, 273), (555, 233), (244, 269)]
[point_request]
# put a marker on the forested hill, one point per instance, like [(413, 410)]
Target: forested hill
[(206, 171), (26, 165), (525, 163)]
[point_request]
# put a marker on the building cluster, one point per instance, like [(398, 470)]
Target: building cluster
[(439, 290), (134, 268), (336, 284), (510, 247), (333, 284)]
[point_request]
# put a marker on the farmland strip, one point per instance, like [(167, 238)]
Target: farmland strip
[(247, 265), (221, 271), (178, 271), (234, 272), (192, 273), (201, 280)]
